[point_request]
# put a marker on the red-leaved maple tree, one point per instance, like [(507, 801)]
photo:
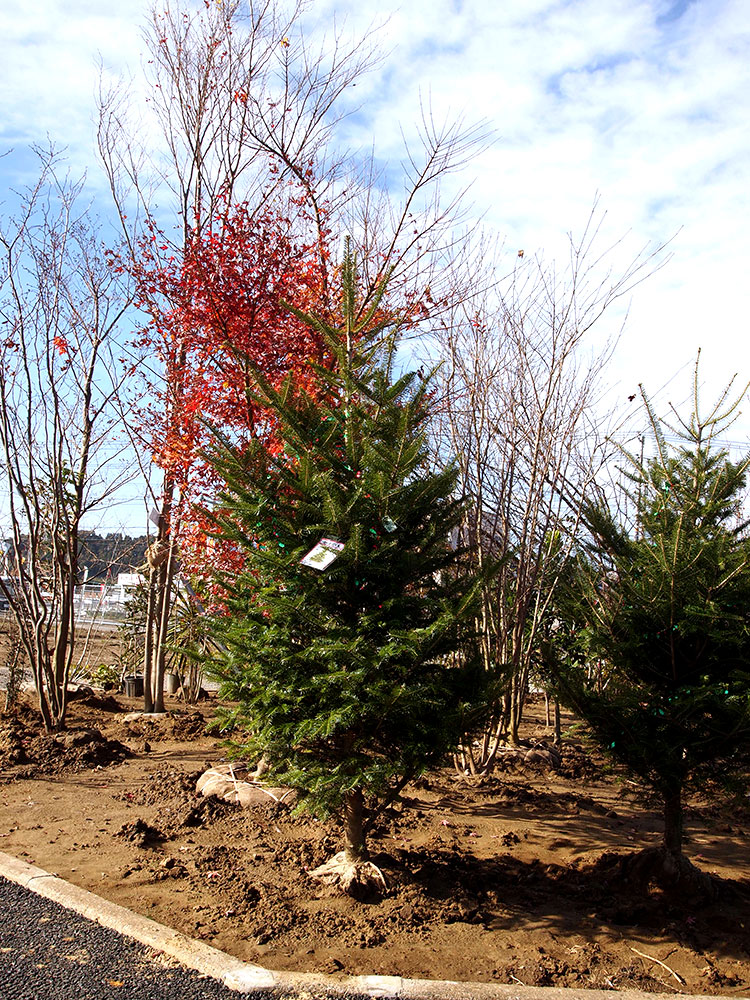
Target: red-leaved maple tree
[(217, 307), (214, 310)]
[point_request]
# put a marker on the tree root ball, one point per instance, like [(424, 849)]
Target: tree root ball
[(657, 866), (357, 878)]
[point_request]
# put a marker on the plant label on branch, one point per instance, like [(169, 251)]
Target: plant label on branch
[(323, 554)]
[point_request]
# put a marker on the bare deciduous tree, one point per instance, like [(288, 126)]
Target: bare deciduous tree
[(521, 387), (60, 306)]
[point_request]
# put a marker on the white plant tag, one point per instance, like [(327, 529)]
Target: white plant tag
[(323, 554)]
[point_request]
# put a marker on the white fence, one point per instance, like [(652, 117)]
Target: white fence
[(105, 601)]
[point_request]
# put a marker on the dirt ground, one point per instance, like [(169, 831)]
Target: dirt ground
[(514, 879)]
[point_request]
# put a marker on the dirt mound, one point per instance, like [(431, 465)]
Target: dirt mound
[(187, 725), (75, 751), (102, 702), (179, 806), (578, 763), (141, 833), (248, 874), (175, 725), (41, 754), (12, 748), (169, 789)]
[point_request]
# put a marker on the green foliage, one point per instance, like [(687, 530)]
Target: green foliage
[(361, 675), (663, 598), (103, 675), (189, 638)]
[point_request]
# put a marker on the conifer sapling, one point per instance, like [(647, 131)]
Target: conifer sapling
[(663, 598), (347, 640)]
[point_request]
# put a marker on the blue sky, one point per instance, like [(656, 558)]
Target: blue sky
[(641, 102)]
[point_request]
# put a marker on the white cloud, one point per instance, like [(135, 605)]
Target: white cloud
[(50, 51), (645, 102)]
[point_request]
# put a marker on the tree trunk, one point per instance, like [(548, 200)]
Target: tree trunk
[(63, 649), (518, 691), (673, 824), (14, 666), (44, 708), (163, 612), (148, 646), (354, 838), (161, 616), (349, 869), (666, 865)]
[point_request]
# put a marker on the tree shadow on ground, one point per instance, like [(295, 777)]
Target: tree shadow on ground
[(504, 892)]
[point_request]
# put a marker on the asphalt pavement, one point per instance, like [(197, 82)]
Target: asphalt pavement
[(48, 952)]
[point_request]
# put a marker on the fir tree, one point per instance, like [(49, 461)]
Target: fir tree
[(351, 677), (664, 599)]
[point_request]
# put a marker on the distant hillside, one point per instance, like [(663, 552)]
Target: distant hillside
[(107, 555)]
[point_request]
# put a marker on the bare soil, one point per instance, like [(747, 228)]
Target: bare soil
[(513, 879)]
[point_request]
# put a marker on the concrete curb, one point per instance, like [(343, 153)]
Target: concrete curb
[(247, 978)]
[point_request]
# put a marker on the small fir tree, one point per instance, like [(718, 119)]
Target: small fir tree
[(664, 599), (351, 678)]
